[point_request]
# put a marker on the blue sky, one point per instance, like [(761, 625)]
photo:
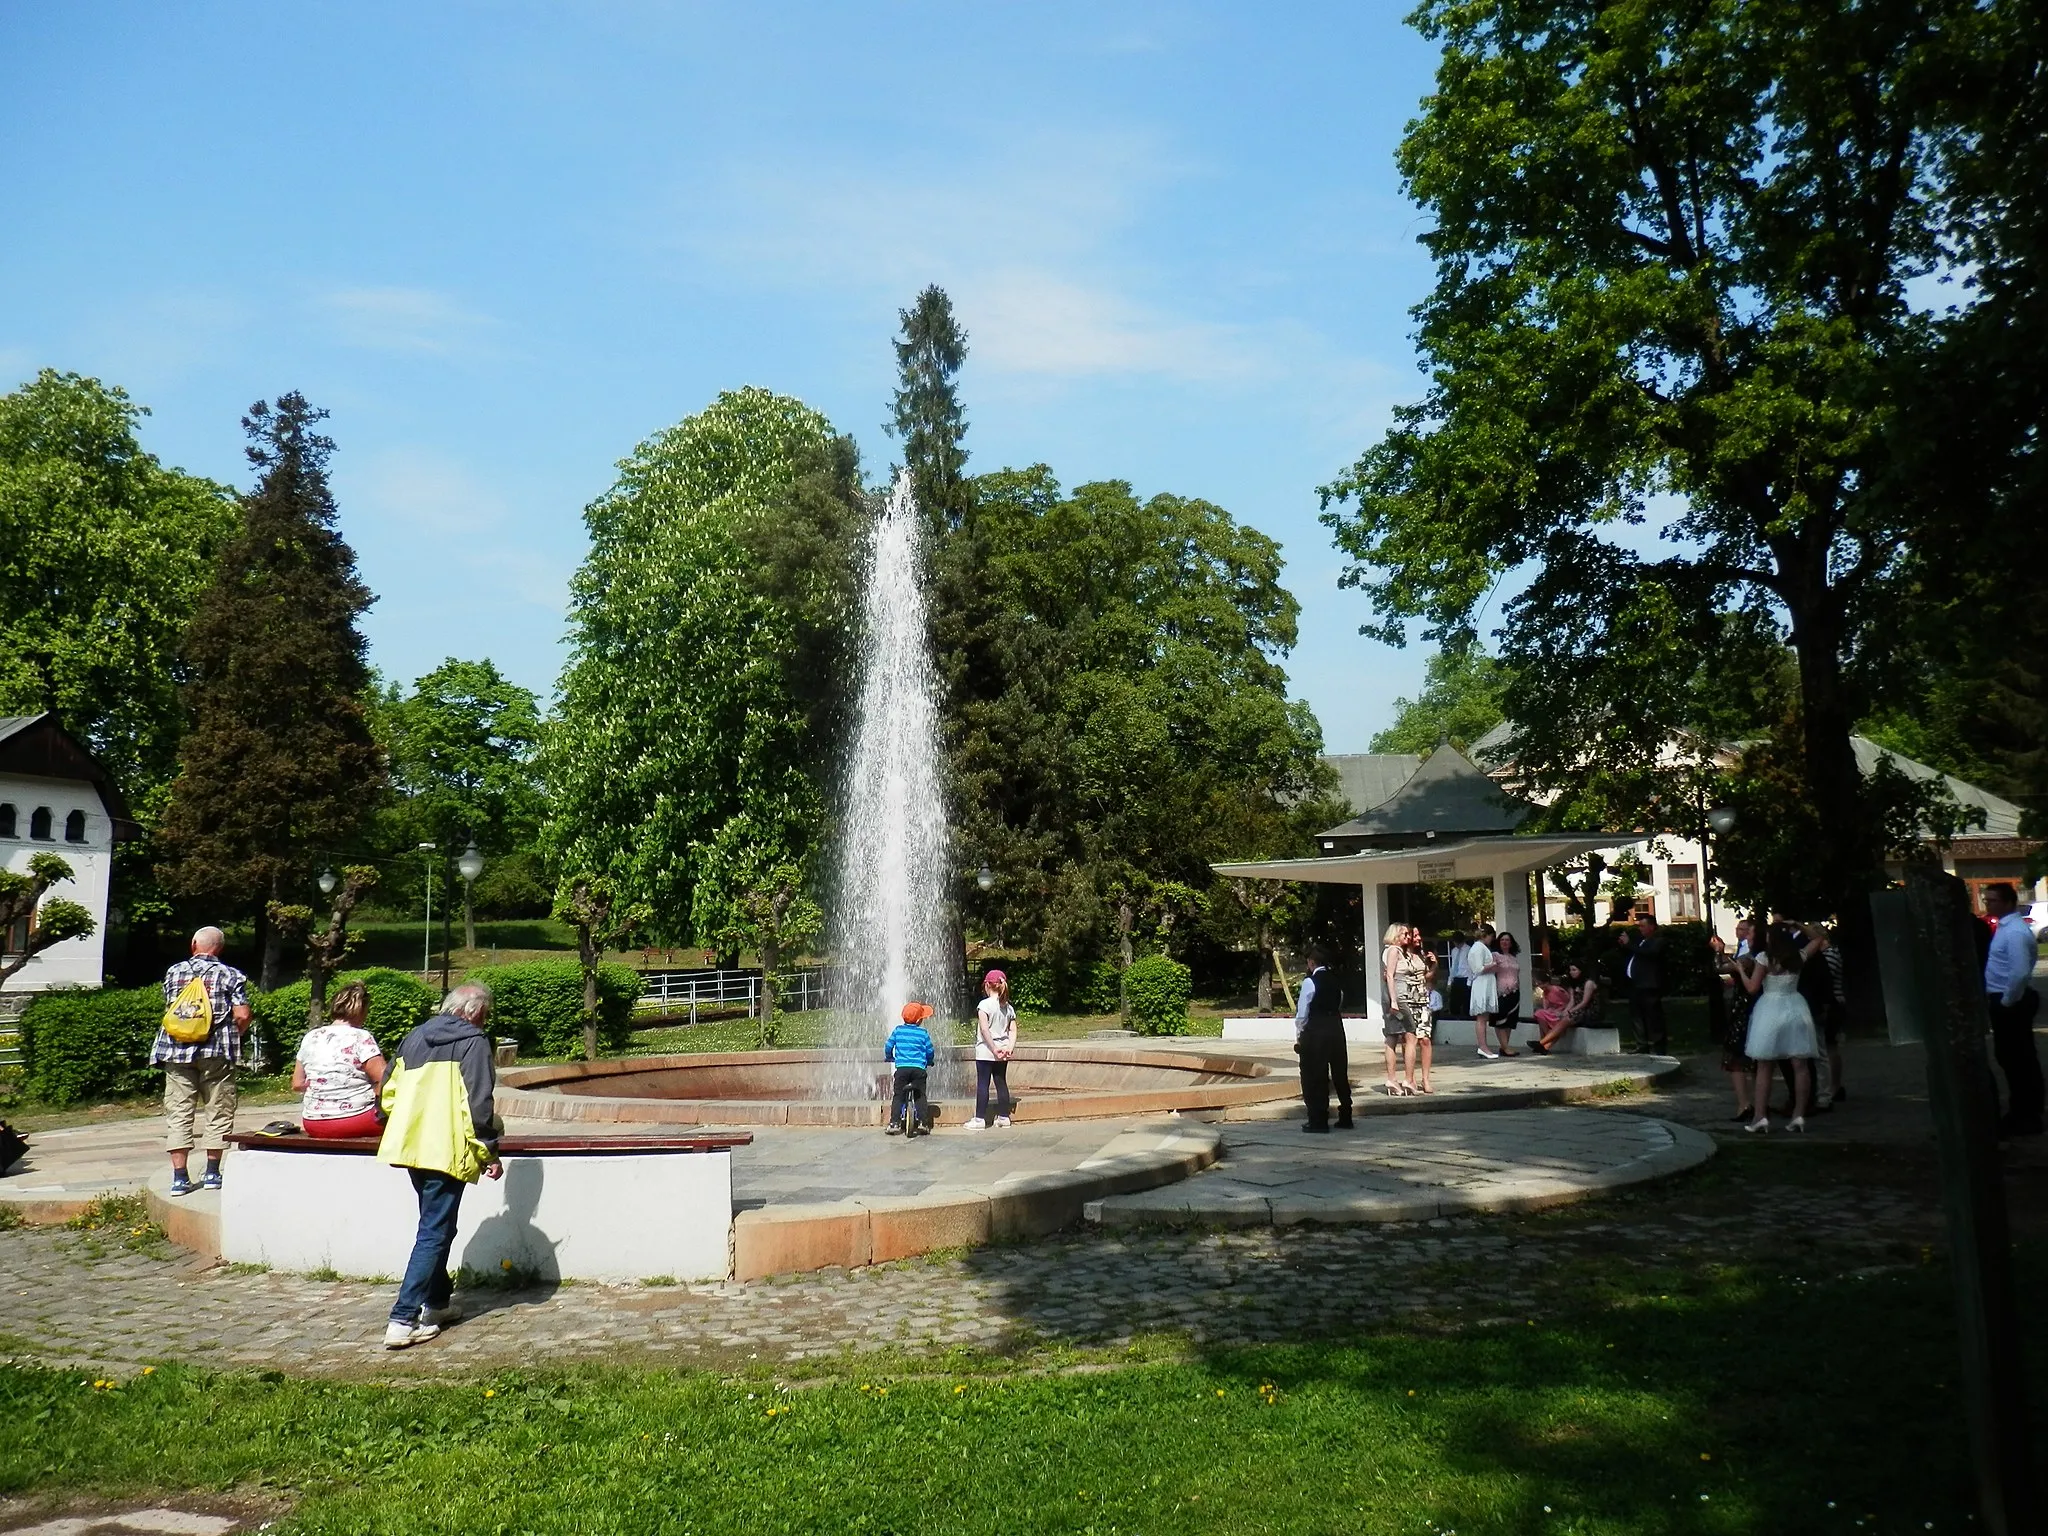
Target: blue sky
[(504, 243)]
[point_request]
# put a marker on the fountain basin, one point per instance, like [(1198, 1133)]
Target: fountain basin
[(1086, 1082)]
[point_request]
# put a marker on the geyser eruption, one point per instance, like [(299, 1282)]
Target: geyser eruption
[(889, 934)]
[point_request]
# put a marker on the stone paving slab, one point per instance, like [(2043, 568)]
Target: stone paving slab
[(1413, 1170), (1463, 1080)]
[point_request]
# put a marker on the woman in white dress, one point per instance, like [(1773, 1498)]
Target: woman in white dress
[(1485, 989), (1780, 1028)]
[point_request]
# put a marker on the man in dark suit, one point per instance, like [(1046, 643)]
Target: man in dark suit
[(1319, 1041), (1645, 973)]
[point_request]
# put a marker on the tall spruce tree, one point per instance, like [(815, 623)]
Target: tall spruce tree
[(278, 771), (929, 421)]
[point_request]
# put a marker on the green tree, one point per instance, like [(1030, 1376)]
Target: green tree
[(1673, 247), (707, 628), (1460, 701), (754, 894), (278, 772), (929, 420), (462, 748), (103, 555), (1121, 715), (34, 922), (592, 906)]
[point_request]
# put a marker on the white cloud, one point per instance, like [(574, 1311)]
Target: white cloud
[(428, 492), (413, 320)]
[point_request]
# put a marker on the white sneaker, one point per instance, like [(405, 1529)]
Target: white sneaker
[(441, 1317), (976, 1124), (1002, 1121), (405, 1335), (1489, 1055)]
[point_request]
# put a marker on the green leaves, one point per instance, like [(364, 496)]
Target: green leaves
[(103, 553), (705, 629), (462, 748)]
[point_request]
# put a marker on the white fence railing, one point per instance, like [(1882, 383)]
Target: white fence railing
[(674, 992)]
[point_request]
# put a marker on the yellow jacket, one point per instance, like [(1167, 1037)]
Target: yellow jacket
[(437, 1101)]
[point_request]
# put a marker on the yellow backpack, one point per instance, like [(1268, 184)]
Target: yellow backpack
[(189, 1019)]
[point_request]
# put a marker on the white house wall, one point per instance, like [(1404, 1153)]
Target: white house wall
[(75, 962)]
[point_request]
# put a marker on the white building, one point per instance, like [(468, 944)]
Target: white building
[(55, 798)]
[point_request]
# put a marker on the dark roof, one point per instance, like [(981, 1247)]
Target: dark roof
[(1446, 796), (38, 747), (1367, 779)]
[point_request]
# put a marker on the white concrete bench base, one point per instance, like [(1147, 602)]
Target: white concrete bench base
[(611, 1217)]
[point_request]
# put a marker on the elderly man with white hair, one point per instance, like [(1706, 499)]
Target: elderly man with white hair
[(206, 1019), (440, 1127)]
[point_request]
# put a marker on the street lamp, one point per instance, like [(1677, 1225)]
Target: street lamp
[(469, 865), (427, 947), (1720, 821), (326, 882), (985, 877)]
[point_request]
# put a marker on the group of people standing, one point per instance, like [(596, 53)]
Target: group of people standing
[(1782, 1001), (431, 1110)]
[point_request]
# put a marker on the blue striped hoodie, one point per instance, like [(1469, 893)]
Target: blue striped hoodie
[(909, 1045)]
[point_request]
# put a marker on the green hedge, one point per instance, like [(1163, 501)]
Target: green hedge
[(540, 1004), (1158, 988), (398, 1001), (1036, 988), (89, 1045)]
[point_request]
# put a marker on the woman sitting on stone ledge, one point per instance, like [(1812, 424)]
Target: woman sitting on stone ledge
[(339, 1070)]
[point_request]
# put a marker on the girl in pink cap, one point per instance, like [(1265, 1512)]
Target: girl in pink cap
[(995, 1038)]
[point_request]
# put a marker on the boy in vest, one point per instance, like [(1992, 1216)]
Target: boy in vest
[(441, 1128), (910, 1048), (206, 1004), (1319, 1041)]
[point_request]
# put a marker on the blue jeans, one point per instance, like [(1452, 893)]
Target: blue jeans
[(426, 1282)]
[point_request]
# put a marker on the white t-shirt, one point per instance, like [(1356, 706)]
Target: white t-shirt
[(1000, 1020), (333, 1056)]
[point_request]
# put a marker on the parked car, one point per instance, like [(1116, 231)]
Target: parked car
[(2037, 919)]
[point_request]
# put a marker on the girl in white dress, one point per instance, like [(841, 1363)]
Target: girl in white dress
[(1485, 990), (1780, 1028)]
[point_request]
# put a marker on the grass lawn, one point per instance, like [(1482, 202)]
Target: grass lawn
[(1680, 1401)]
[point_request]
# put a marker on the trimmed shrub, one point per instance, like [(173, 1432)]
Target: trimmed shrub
[(1157, 989), (540, 1004), (1037, 988), (399, 1000), (89, 1045)]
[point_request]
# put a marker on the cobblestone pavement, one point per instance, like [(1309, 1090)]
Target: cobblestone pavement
[(72, 1300)]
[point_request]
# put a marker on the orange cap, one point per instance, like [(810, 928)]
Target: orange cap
[(916, 1013)]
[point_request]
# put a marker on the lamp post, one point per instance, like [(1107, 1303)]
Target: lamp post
[(1719, 821), (985, 877), (469, 865), (327, 882), (427, 943)]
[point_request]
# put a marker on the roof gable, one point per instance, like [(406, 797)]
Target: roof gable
[(38, 747), (1447, 795)]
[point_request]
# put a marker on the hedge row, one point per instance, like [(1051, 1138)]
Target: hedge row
[(92, 1045), (89, 1045), (539, 1003)]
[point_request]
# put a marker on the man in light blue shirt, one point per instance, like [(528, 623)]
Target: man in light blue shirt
[(2010, 998)]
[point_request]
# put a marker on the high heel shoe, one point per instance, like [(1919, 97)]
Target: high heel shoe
[(1796, 1124), (1758, 1126)]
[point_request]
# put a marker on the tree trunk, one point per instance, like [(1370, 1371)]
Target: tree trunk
[(586, 951), (271, 961), (771, 959), (1265, 969), (1841, 807), (1124, 916)]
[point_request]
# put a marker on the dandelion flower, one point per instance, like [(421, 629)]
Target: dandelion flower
[(490, 1391)]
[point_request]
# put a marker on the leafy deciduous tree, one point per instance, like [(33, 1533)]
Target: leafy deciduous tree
[(35, 922), (1673, 247)]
